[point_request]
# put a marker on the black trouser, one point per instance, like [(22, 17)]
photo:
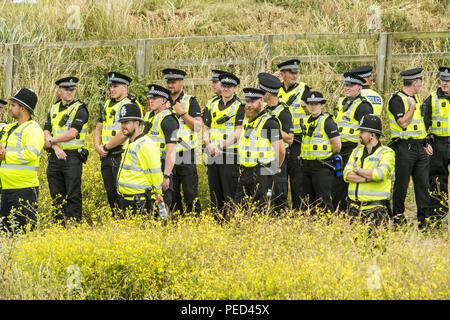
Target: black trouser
[(280, 192), (254, 182), (411, 160), (223, 180), (110, 169), (316, 185), (293, 171), (64, 183), (185, 176), (439, 162), (22, 204), (340, 187), (138, 207), (374, 216)]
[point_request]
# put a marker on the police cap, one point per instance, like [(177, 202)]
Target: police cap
[(171, 74), (315, 97), (371, 123), (116, 77), (269, 83), (3, 103), (130, 112), (412, 74), (444, 73), (69, 83), (363, 71), (229, 79), (215, 74), (158, 91), (290, 65), (26, 98)]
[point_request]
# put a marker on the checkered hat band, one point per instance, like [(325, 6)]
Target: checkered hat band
[(445, 75), (365, 75), (416, 76), (158, 93), (67, 84), (352, 80), (229, 81), (119, 80), (271, 90), (253, 95), (314, 99), (173, 77), (289, 67)]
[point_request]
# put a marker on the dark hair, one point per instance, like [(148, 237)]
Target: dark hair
[(409, 82)]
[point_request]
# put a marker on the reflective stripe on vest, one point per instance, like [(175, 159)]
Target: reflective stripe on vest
[(414, 130), (156, 133), (296, 108), (58, 130), (318, 146), (220, 132), (440, 115)]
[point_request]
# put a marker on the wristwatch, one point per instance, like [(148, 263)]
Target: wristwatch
[(50, 140), (356, 169), (105, 148), (166, 176)]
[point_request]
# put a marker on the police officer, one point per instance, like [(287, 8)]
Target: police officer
[(65, 132), (436, 118), (2, 105), (261, 150), (222, 129), (161, 125), (293, 93), (140, 176), (411, 152), (374, 97), (108, 138), (188, 112), (271, 85), (348, 112), (21, 143), (319, 143), (217, 89), (369, 173)]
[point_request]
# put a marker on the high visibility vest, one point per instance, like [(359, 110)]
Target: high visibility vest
[(416, 129), (253, 148), (345, 120), (57, 130), (210, 102), (278, 109), (111, 125), (318, 145), (186, 134), (139, 169), (23, 145), (440, 115), (155, 131), (382, 161), (220, 132), (2, 124), (375, 99), (293, 100)]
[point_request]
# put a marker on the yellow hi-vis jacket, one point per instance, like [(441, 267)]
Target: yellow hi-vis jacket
[(375, 99), (189, 136), (58, 130), (440, 116), (296, 108), (382, 161), (23, 145), (416, 129), (139, 169), (221, 131), (318, 145), (111, 125), (345, 119), (155, 131)]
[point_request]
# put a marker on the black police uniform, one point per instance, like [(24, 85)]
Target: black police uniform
[(411, 160), (64, 176), (440, 159)]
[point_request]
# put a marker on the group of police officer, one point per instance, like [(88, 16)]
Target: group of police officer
[(277, 134)]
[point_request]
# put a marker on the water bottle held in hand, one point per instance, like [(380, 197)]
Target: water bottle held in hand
[(162, 210)]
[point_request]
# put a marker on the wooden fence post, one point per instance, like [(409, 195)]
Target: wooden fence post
[(140, 57), (262, 62), (388, 64), (381, 60), (9, 66)]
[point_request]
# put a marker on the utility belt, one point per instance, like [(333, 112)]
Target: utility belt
[(260, 168), (312, 163), (134, 197), (115, 152), (81, 153), (442, 139)]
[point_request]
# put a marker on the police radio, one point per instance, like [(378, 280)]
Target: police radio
[(63, 120)]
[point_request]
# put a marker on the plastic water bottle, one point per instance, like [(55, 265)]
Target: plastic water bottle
[(162, 210), (269, 194)]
